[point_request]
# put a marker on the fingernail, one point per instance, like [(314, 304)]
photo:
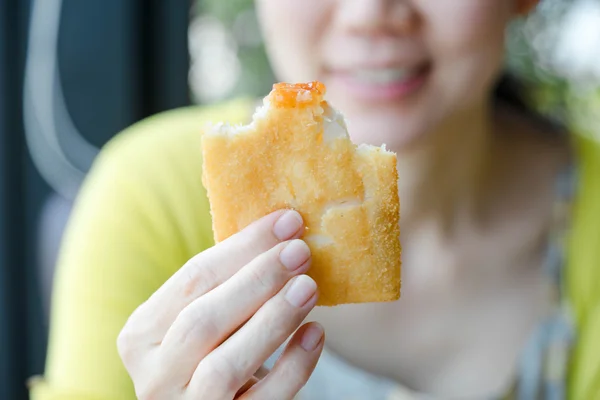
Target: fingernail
[(311, 337), (287, 225), (294, 254), (301, 290)]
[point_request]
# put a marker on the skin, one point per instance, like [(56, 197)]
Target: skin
[(476, 187), (176, 345)]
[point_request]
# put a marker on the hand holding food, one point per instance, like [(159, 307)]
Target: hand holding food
[(207, 331)]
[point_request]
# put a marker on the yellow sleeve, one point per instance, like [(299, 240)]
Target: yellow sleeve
[(140, 215), (585, 376), (583, 275)]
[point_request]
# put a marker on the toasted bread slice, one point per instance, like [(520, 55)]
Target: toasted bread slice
[(296, 154)]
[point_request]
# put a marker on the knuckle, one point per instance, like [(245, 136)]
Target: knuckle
[(198, 277), (222, 373), (148, 392), (273, 318), (278, 317), (302, 375), (259, 279), (296, 376), (129, 335), (197, 324), (153, 382), (248, 240), (191, 280), (125, 343)]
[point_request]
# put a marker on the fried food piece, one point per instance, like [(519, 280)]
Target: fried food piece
[(296, 154)]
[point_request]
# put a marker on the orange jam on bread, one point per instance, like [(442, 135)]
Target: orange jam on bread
[(291, 95)]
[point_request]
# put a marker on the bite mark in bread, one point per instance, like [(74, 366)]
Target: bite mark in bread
[(296, 153)]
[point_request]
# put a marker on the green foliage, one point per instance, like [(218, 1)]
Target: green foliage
[(224, 10)]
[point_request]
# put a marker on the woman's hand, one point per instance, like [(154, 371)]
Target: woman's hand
[(207, 331)]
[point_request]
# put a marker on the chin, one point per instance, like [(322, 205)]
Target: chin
[(397, 124), (397, 130)]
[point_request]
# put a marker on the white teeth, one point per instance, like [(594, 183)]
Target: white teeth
[(383, 75)]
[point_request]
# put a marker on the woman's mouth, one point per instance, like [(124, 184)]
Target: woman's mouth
[(382, 84)]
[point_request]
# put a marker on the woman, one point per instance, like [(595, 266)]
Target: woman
[(499, 298)]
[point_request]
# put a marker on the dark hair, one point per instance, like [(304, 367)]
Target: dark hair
[(513, 92)]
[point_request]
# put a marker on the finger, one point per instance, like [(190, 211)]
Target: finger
[(209, 320), (209, 269), (230, 365), (293, 369), (258, 375)]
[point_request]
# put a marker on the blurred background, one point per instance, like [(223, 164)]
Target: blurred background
[(74, 73)]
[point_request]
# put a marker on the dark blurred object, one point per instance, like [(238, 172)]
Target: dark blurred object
[(14, 305), (94, 68), (70, 80)]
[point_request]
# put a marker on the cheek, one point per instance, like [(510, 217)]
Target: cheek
[(467, 24), (292, 33), (466, 38)]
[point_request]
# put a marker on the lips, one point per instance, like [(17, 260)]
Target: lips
[(382, 83), (383, 76)]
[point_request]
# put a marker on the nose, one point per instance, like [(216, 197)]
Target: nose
[(377, 17)]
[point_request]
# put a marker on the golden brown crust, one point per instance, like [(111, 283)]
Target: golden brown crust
[(347, 196)]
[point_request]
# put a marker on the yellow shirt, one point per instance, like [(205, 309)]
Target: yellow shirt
[(142, 213)]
